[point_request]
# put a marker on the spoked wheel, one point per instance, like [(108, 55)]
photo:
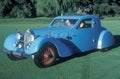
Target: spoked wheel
[(46, 56), (105, 49)]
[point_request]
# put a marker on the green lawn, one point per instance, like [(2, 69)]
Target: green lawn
[(96, 65)]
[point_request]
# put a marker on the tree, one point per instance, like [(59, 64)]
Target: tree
[(1, 9), (47, 7), (18, 8), (36, 8)]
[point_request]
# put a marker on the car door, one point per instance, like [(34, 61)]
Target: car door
[(83, 37)]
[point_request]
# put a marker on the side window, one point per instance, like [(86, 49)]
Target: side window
[(70, 22), (87, 23)]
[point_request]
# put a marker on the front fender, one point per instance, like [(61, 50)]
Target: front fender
[(63, 50), (106, 39), (10, 42)]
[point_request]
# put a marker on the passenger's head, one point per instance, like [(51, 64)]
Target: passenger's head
[(82, 24)]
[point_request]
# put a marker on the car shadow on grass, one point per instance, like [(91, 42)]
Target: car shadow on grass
[(61, 60), (117, 44), (117, 41)]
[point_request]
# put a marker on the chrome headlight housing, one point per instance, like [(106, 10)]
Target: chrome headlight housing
[(19, 40), (18, 36), (31, 38)]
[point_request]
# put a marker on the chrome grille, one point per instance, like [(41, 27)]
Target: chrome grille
[(26, 38)]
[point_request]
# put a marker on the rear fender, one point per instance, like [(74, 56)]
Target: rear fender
[(106, 39), (63, 50)]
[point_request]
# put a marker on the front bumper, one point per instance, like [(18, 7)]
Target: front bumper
[(17, 53)]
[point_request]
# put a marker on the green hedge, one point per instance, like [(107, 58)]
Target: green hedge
[(38, 8)]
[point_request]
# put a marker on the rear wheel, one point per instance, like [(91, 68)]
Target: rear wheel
[(106, 49), (46, 56)]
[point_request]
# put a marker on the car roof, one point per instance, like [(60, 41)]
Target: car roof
[(75, 16)]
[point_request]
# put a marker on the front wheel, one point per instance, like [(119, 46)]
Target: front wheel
[(46, 56), (15, 57)]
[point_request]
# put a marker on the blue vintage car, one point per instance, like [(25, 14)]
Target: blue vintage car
[(66, 35)]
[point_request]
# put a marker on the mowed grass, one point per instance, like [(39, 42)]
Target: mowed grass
[(96, 65)]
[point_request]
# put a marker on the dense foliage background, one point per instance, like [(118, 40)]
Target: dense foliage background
[(37, 8)]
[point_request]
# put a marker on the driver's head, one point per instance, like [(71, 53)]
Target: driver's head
[(68, 22)]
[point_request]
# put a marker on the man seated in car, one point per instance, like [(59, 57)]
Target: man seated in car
[(68, 23), (82, 24)]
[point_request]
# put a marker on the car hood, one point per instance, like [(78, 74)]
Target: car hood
[(58, 32)]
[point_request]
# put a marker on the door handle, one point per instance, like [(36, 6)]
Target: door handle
[(69, 37), (74, 35)]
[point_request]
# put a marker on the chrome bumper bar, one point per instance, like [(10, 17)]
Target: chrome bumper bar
[(17, 53)]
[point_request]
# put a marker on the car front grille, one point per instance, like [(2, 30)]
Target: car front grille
[(26, 39)]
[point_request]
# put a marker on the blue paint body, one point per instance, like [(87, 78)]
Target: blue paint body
[(67, 40)]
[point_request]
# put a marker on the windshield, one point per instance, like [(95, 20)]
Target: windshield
[(64, 22)]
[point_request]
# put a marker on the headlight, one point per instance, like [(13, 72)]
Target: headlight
[(18, 36), (32, 38)]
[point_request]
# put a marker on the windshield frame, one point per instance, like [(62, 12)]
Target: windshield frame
[(62, 22)]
